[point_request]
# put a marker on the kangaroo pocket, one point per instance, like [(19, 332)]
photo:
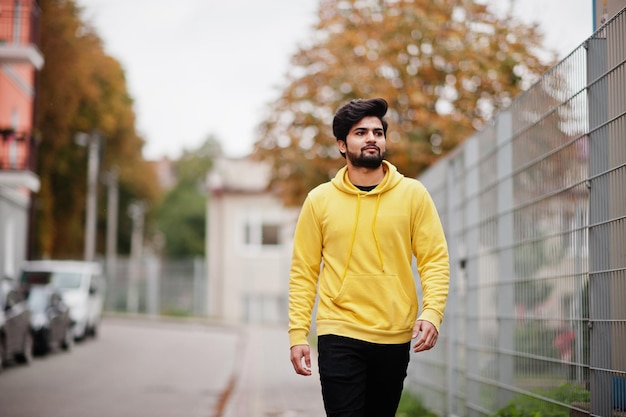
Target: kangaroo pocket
[(374, 301)]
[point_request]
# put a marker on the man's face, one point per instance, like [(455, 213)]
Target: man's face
[(365, 144)]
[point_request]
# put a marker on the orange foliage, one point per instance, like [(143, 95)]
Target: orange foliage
[(444, 67), (81, 89)]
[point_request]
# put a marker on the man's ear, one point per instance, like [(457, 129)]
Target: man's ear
[(341, 145)]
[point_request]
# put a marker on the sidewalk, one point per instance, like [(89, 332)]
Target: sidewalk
[(265, 384)]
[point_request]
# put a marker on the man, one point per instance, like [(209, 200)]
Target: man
[(361, 230)]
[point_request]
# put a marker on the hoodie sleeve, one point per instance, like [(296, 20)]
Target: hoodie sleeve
[(303, 276), (431, 250)]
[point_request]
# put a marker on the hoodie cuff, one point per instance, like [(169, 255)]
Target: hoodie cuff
[(298, 337), (432, 317)]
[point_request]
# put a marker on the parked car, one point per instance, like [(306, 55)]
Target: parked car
[(50, 319), (81, 284), (16, 341)]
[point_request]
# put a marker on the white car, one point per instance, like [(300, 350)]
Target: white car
[(82, 286)]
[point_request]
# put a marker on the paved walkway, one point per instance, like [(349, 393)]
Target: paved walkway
[(265, 384)]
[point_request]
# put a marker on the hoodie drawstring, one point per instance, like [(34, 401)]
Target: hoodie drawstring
[(380, 253), (356, 223)]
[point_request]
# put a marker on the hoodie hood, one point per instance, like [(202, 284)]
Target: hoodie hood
[(392, 178)]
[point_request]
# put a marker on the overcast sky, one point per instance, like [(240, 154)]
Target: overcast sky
[(202, 67)]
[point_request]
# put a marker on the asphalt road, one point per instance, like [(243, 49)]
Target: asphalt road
[(133, 368)]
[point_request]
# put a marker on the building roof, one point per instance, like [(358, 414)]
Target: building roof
[(239, 175)]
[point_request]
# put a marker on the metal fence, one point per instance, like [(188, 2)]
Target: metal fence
[(157, 287), (534, 208)]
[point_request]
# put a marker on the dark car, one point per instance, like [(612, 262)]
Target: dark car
[(16, 340), (50, 320)]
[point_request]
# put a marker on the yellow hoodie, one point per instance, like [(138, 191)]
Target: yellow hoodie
[(363, 243)]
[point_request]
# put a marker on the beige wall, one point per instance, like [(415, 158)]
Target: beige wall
[(245, 281)]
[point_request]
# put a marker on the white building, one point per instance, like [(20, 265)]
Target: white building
[(249, 241)]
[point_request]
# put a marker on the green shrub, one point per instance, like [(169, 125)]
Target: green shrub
[(526, 406), (175, 312), (411, 406), (535, 339)]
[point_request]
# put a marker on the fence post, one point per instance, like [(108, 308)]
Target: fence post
[(152, 285), (456, 166), (199, 289), (506, 270), (599, 285), (473, 327)]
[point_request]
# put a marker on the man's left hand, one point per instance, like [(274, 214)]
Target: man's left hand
[(427, 335)]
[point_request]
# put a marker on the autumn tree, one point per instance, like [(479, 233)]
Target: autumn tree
[(444, 67), (81, 89)]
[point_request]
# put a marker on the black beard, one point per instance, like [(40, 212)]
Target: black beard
[(365, 160)]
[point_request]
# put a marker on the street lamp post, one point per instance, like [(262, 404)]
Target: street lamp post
[(136, 211), (92, 142), (111, 180)]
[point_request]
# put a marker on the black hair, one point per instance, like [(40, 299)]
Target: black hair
[(353, 112)]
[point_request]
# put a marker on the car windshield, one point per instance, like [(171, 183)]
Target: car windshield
[(36, 277), (62, 280), (67, 280), (37, 299)]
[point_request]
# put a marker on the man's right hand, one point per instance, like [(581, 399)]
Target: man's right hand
[(301, 359)]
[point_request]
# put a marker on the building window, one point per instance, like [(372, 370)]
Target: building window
[(261, 234), (247, 234), (270, 234)]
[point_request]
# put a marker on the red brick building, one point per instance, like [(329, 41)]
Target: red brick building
[(20, 59)]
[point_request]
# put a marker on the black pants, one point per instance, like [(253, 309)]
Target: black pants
[(361, 379)]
